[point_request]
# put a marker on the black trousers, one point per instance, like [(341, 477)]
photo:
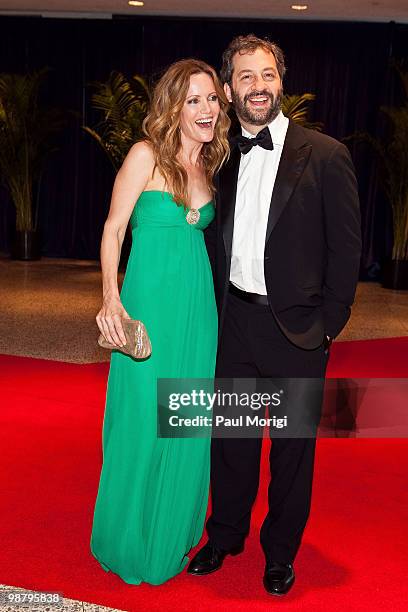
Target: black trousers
[(253, 346)]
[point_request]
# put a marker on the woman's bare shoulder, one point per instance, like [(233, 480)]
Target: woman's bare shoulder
[(141, 152)]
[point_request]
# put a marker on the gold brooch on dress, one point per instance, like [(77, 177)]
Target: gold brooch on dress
[(193, 216)]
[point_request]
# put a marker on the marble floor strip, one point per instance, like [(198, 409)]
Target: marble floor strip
[(68, 605), (48, 309)]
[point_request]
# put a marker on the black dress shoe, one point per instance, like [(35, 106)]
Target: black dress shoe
[(210, 558), (278, 578)]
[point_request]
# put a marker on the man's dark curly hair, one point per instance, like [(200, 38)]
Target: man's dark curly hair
[(249, 44)]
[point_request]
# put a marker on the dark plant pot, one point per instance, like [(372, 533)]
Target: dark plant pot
[(26, 245), (395, 274)]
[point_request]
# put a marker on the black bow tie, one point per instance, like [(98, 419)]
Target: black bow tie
[(263, 139)]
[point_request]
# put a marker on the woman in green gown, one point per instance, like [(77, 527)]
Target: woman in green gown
[(153, 491)]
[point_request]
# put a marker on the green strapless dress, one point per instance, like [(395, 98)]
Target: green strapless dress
[(153, 492)]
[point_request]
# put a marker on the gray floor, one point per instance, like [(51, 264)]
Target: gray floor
[(48, 310)]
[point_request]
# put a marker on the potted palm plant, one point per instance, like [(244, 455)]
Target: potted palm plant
[(296, 106), (123, 104), (27, 131), (392, 152)]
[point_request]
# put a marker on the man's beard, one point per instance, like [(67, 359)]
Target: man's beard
[(261, 116)]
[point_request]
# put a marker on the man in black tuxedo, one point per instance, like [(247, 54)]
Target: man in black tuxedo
[(285, 248)]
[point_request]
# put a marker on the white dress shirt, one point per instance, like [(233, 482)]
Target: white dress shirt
[(256, 179)]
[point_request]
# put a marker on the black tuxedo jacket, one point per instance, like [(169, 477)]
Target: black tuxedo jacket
[(313, 237)]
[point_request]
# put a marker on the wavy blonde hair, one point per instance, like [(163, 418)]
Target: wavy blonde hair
[(161, 127)]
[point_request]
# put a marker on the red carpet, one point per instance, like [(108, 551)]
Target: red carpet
[(354, 551)]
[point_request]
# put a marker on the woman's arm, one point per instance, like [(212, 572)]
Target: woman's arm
[(130, 181)]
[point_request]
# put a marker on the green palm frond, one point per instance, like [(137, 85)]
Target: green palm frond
[(27, 131), (123, 104), (392, 153), (296, 107)]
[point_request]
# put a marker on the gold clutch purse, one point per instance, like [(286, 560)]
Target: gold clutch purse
[(138, 343)]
